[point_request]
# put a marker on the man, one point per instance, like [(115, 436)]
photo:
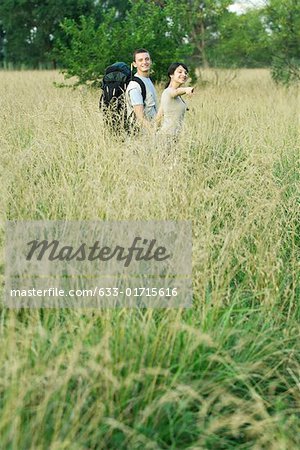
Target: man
[(144, 111)]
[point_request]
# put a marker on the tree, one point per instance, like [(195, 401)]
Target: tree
[(2, 42), (150, 25), (31, 27), (87, 48), (120, 6), (243, 41), (283, 20), (200, 20)]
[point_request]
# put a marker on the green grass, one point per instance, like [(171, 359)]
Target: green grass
[(224, 374)]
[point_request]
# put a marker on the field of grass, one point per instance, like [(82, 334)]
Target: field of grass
[(224, 374)]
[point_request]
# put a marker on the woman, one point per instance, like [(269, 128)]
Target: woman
[(173, 108)]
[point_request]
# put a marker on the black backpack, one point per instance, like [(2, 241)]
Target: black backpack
[(112, 101)]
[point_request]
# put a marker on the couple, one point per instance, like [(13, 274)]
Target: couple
[(172, 109)]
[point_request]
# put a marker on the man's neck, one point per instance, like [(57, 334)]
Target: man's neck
[(143, 74)]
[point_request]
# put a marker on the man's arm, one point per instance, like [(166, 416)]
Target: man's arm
[(136, 99), (140, 117)]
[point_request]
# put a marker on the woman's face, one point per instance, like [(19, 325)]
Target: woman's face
[(180, 75)]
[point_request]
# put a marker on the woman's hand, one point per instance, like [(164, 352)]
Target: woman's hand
[(189, 91), (159, 117)]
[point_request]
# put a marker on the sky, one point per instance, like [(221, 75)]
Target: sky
[(240, 6)]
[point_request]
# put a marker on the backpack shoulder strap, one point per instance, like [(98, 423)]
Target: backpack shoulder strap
[(142, 85)]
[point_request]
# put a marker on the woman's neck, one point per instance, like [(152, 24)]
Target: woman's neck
[(175, 84)]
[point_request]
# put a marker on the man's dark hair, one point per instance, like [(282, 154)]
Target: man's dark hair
[(139, 50)]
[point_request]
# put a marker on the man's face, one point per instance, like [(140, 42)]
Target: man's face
[(142, 62)]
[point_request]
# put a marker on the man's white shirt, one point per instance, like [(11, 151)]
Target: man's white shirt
[(134, 97)]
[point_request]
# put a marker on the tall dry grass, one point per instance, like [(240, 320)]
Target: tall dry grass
[(224, 374)]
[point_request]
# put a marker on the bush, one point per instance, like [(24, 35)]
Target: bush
[(87, 48), (285, 71)]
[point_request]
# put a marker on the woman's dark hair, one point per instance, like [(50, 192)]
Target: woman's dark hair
[(172, 69)]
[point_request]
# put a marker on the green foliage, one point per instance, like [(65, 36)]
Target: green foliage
[(285, 71), (88, 49), (120, 6), (200, 33), (148, 25), (31, 27), (243, 41), (86, 35), (283, 19), (1, 43), (200, 21)]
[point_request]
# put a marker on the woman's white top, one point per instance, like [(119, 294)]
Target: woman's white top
[(173, 109)]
